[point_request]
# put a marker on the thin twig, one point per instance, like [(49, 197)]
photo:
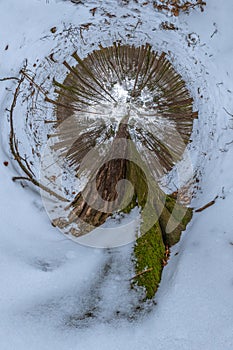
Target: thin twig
[(231, 115), (45, 93), (141, 273), (229, 143), (9, 78), (206, 206), (15, 151), (18, 178)]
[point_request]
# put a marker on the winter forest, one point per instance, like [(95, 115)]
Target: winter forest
[(116, 140)]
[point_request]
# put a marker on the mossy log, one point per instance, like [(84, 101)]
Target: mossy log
[(149, 250), (155, 95)]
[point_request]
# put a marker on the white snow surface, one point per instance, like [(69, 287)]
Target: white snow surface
[(47, 280)]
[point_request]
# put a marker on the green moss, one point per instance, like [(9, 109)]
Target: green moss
[(149, 252), (188, 217), (173, 220)]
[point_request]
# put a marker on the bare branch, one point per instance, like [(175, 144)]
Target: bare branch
[(207, 205), (9, 78), (15, 151), (230, 114)]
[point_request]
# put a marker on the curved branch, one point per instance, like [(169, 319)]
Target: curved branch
[(14, 147)]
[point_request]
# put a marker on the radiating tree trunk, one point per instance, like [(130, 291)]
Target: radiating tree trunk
[(146, 153)]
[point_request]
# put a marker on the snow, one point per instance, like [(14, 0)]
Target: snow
[(47, 280)]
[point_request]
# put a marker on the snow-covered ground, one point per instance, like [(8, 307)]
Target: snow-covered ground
[(48, 283)]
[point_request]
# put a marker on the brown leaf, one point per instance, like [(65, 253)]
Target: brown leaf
[(85, 26), (53, 30), (93, 11), (176, 12)]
